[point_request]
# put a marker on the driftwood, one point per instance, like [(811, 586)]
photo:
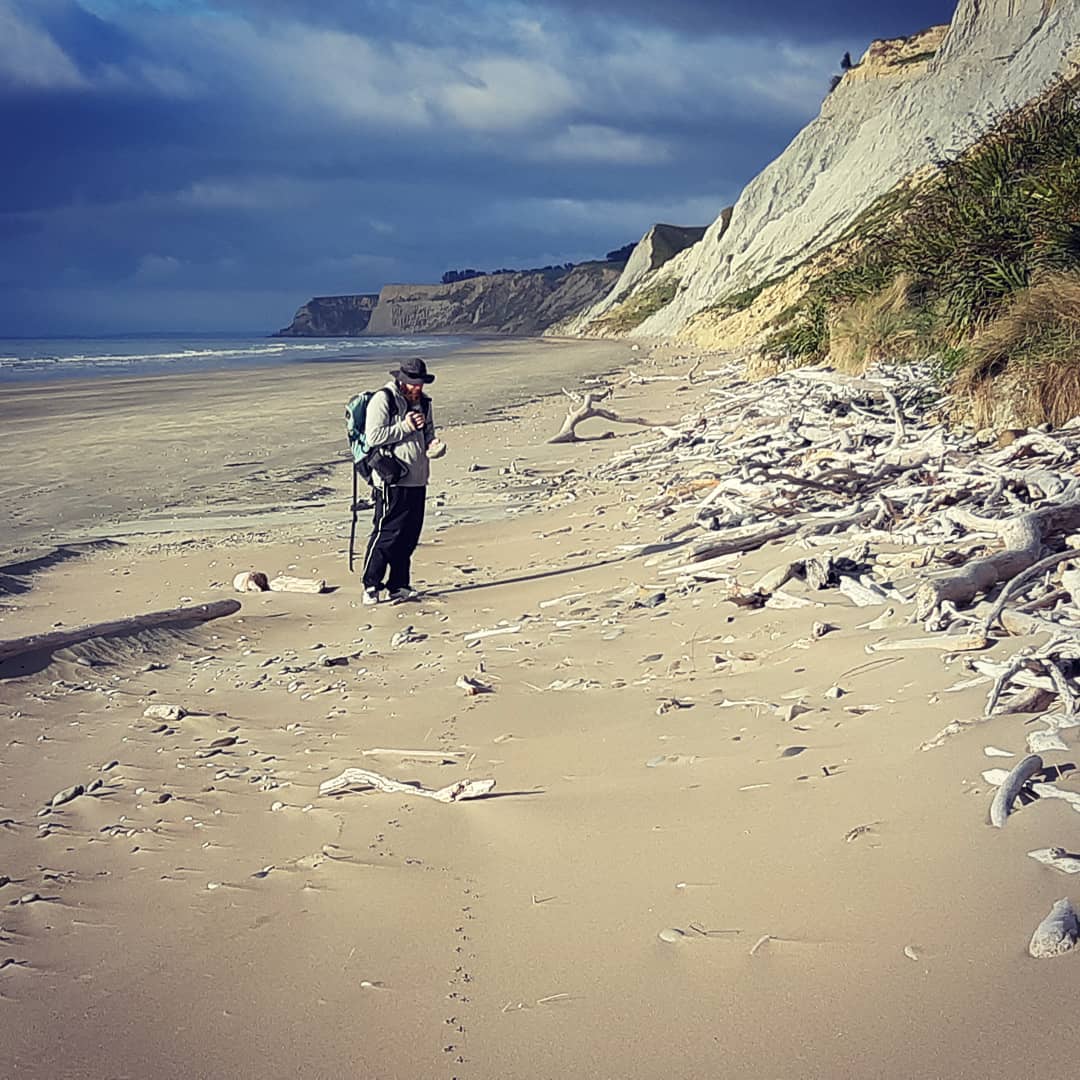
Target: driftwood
[(156, 620), (364, 779), (1057, 858), (285, 583), (1010, 788), (587, 408), (1023, 539), (1057, 933)]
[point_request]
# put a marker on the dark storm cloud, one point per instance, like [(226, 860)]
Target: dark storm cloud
[(165, 156)]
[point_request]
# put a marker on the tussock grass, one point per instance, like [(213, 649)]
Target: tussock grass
[(884, 326), (986, 225), (1024, 367)]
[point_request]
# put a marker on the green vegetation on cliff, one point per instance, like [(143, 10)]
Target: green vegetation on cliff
[(936, 267), (633, 311)]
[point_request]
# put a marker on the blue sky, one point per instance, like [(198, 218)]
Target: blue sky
[(209, 164)]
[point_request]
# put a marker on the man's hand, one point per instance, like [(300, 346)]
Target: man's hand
[(416, 419)]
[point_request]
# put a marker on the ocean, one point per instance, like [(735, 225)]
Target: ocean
[(36, 359)]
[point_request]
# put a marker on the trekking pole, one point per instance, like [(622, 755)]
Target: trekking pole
[(352, 531)]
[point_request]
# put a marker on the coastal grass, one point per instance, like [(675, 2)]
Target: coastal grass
[(1024, 367)]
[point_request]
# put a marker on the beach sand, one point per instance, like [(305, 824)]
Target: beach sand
[(206, 913)]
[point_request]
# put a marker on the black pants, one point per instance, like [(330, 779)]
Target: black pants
[(399, 517)]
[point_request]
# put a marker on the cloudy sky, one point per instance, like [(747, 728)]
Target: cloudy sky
[(209, 164)]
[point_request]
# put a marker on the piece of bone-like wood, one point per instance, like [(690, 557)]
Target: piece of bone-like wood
[(479, 635), (1058, 858), (364, 778), (471, 686), (1057, 933), (285, 583), (860, 594), (1006, 794), (1046, 742), (955, 643)]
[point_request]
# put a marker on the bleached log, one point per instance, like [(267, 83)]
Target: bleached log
[(1057, 933), (285, 583), (589, 409), (156, 620), (364, 779), (1011, 787), (1022, 536)]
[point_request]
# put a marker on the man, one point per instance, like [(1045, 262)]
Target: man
[(401, 424)]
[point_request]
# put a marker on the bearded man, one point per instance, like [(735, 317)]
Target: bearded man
[(400, 425)]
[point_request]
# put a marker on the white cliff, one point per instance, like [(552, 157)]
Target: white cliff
[(908, 103)]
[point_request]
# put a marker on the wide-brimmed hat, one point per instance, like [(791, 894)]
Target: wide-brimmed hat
[(414, 371)]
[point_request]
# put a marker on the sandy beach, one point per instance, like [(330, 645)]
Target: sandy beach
[(674, 876)]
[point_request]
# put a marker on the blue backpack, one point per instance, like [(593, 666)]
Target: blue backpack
[(355, 419)]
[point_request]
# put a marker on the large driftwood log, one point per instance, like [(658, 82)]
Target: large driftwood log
[(156, 620), (1023, 538), (587, 408)]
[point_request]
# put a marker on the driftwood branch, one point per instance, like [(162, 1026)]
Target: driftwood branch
[(156, 620), (1006, 795), (586, 410), (1012, 587), (364, 779)]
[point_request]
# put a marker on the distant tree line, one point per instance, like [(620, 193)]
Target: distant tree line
[(451, 276)]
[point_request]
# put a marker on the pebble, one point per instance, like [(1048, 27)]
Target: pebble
[(670, 935)]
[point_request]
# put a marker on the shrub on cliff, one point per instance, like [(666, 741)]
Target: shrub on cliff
[(1024, 367), (992, 221)]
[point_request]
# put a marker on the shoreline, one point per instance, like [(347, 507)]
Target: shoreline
[(98, 456)]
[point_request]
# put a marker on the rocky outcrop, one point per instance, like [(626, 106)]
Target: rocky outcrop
[(904, 110), (659, 245), (331, 316), (524, 303)]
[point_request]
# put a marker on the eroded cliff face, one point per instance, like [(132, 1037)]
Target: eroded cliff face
[(907, 103), (657, 247), (524, 303), (331, 316)]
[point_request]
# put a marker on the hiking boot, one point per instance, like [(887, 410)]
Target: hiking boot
[(398, 595), (371, 596)]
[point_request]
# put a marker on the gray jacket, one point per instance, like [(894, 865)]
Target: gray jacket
[(391, 428)]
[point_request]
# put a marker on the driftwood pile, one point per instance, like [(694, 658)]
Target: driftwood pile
[(975, 535)]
